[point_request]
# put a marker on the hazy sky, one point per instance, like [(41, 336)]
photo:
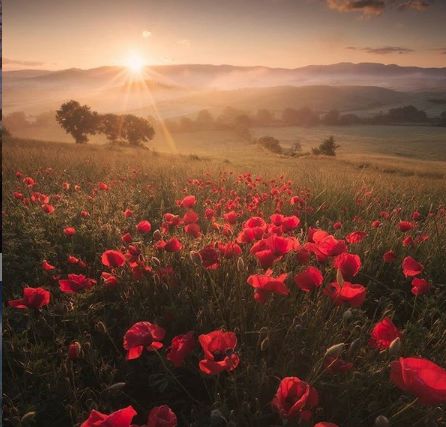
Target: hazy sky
[(55, 34)]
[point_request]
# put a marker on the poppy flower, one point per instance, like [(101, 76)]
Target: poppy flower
[(46, 266), (72, 259), (103, 186), (121, 418), (85, 214), (209, 258), (112, 258), (74, 350), (188, 201), (128, 213), (190, 217), (109, 279), (337, 225), (389, 256), (290, 223), (294, 397), (325, 424), (309, 279), (407, 241), (180, 347), (230, 217), (376, 223), (219, 352), (416, 216), (76, 283), (162, 416), (405, 226), (420, 286), (127, 238), (69, 231), (47, 208), (230, 250), (411, 267), (193, 230), (143, 227), (355, 237), (349, 264), (171, 245), (265, 284), (32, 298), (143, 335), (29, 182), (383, 333), (421, 378), (17, 195), (348, 293)]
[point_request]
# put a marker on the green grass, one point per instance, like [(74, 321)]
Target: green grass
[(295, 331)]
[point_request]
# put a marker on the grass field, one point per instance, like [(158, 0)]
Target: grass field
[(202, 286)]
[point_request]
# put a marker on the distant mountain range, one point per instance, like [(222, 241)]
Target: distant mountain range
[(104, 87)]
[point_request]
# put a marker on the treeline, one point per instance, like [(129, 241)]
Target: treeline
[(306, 117)]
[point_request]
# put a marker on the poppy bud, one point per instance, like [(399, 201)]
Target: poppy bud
[(335, 350), (395, 347), (354, 346), (28, 417), (100, 327), (156, 260), (381, 421), (347, 315), (339, 277), (74, 350), (240, 264), (264, 344), (157, 235), (116, 386)]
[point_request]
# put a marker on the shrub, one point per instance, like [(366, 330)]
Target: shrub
[(326, 148)]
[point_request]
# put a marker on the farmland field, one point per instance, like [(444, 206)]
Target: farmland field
[(273, 269)]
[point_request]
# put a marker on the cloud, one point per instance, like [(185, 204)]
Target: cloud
[(377, 7), (184, 42), (146, 34), (385, 50), (8, 61)]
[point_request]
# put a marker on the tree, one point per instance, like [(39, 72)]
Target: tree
[(16, 121), (331, 118), (327, 148), (111, 127), (204, 120), (270, 143), (78, 120), (136, 130)]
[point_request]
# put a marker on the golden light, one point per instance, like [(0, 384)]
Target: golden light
[(135, 64)]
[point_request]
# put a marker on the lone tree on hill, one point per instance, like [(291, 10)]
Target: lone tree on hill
[(136, 130), (327, 148), (78, 120)]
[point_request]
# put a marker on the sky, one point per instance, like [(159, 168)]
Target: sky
[(60, 34)]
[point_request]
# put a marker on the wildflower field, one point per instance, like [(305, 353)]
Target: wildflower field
[(150, 289)]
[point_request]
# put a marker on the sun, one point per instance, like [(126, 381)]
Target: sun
[(135, 64)]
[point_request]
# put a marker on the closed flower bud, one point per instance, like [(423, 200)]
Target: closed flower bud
[(240, 264), (116, 386), (28, 417), (157, 235), (395, 347), (381, 421), (264, 344), (74, 350), (156, 260), (347, 315), (100, 327), (195, 257), (339, 277), (335, 350), (354, 346)]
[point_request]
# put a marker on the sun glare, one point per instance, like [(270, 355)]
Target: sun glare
[(135, 64)]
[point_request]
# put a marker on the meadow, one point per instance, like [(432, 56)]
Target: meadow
[(275, 291)]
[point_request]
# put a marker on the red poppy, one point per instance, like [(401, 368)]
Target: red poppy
[(143, 227), (272, 249), (265, 284), (32, 298), (72, 259), (383, 333), (376, 223), (17, 195), (193, 230), (76, 283), (109, 279), (85, 214), (309, 279), (290, 223), (74, 350), (190, 217), (162, 416), (230, 250), (46, 266), (143, 335), (47, 208), (127, 238), (29, 182), (180, 348), (112, 258), (405, 226), (294, 397), (128, 213), (411, 267), (209, 257), (349, 293), (420, 286), (121, 418), (420, 377), (416, 216), (219, 352), (356, 237), (69, 231), (325, 424), (349, 264), (188, 201), (255, 222), (231, 217), (337, 225), (103, 186), (389, 256)]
